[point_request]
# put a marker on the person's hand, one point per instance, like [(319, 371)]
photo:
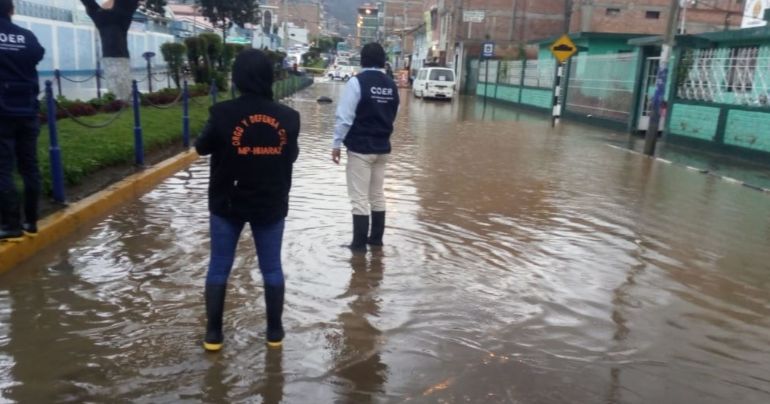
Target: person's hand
[(336, 156)]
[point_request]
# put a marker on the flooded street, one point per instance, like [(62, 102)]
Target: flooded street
[(522, 265)]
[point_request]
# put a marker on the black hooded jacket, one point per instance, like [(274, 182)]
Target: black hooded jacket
[(253, 145), (20, 52)]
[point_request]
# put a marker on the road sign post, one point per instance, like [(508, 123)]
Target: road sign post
[(562, 49), (487, 52)]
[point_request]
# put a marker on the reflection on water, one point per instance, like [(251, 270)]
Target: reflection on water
[(357, 358), (522, 264)]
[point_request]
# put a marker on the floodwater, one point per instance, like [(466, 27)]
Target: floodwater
[(522, 265)]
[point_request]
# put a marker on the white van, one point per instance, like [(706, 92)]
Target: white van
[(434, 82)]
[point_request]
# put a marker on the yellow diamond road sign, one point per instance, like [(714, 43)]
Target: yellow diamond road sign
[(563, 48)]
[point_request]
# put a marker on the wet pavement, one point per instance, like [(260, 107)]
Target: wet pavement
[(522, 265)]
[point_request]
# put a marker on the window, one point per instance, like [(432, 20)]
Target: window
[(742, 66), (612, 12), (652, 15), (442, 75)]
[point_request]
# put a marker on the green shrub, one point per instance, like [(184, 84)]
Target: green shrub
[(173, 54)]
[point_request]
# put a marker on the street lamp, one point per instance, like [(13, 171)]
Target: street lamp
[(683, 23), (148, 56)]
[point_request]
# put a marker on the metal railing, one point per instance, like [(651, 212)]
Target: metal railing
[(31, 9), (737, 76), (281, 88)]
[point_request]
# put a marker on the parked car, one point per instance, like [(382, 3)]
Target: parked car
[(342, 72), (434, 82)]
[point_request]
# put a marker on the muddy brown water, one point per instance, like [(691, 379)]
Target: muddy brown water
[(522, 265)]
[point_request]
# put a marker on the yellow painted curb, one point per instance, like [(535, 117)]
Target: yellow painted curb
[(87, 210)]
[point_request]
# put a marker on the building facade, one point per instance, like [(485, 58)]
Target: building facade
[(650, 16)]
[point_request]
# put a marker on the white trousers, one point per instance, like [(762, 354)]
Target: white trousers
[(366, 182)]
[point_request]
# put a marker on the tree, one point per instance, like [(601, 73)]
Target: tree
[(225, 13), (173, 54), (112, 21)]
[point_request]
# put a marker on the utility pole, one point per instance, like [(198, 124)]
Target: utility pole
[(683, 22), (558, 95), (567, 15), (285, 12), (651, 136)]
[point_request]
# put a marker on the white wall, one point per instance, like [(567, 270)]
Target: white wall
[(70, 47)]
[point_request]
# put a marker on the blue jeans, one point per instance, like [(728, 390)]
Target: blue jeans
[(224, 240)]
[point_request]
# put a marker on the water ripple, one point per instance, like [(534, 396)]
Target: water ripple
[(521, 265)]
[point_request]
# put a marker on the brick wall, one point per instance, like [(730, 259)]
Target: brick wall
[(650, 16), (400, 14), (514, 20)]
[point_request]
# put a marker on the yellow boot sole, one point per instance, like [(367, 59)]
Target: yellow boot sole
[(212, 347)]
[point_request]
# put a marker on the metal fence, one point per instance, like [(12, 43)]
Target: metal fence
[(488, 71), (736, 76), (602, 86), (535, 73), (43, 11), (539, 73), (511, 72)]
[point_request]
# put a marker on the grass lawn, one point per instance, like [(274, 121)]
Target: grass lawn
[(85, 151)]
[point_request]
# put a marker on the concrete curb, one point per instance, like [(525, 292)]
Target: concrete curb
[(691, 168), (74, 217)]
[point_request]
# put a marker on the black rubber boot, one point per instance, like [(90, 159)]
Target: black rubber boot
[(360, 233), (10, 231), (215, 306), (11, 236), (378, 228), (29, 229), (274, 308), (31, 202)]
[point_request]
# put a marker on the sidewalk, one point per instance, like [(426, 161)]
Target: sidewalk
[(752, 171)]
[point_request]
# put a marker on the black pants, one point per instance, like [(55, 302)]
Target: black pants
[(18, 148)]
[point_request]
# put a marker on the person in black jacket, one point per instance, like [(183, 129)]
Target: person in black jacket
[(20, 52), (253, 145), (364, 123)]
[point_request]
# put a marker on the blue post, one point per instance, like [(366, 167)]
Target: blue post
[(185, 115), (98, 79), (213, 91), (57, 170), (232, 91), (57, 76), (138, 143)]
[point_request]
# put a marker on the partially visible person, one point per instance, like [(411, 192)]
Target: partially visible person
[(364, 123), (253, 145), (389, 71), (20, 52)]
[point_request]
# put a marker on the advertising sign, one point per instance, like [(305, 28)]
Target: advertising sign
[(754, 13), (473, 16)]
